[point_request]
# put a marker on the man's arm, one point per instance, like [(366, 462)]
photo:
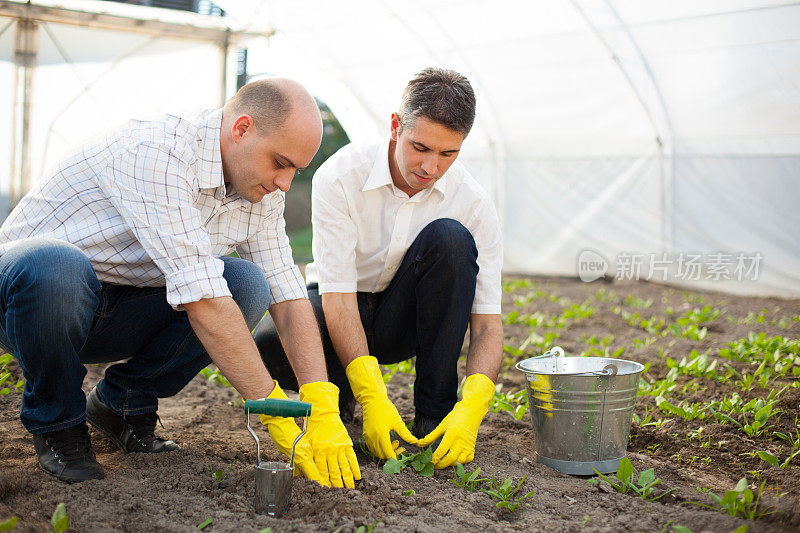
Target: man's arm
[(485, 345), (299, 333), (344, 326), (221, 328)]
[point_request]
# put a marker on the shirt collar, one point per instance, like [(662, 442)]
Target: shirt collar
[(210, 175), (380, 175)]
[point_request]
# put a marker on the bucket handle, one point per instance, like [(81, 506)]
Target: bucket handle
[(277, 407), (555, 351)]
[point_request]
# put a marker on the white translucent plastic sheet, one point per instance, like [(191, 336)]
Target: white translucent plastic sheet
[(620, 126), (624, 127)]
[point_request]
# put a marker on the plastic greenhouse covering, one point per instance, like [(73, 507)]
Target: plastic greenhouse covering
[(658, 140)]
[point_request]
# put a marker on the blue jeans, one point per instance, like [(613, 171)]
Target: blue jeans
[(423, 312), (55, 316)]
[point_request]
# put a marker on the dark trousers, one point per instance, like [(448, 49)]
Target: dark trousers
[(423, 312), (55, 317)]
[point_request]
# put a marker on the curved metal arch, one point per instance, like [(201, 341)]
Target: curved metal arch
[(655, 108)]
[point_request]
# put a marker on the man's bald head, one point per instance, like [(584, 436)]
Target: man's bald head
[(270, 128), (271, 103)]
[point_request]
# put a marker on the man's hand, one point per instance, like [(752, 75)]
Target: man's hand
[(460, 427), (283, 432), (380, 414), (330, 443)]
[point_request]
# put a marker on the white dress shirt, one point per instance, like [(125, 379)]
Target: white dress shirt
[(147, 204), (363, 224)]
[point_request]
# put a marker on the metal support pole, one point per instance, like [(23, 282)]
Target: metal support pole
[(26, 48)]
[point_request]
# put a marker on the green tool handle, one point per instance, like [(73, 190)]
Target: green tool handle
[(276, 407)]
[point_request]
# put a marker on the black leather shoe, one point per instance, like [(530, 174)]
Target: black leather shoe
[(67, 454), (130, 433)]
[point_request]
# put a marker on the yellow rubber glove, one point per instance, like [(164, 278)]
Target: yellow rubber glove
[(283, 431), (332, 447), (380, 414), (460, 427)]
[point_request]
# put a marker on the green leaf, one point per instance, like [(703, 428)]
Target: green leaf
[(205, 523), (409, 492), (768, 457), (60, 520), (625, 470), (8, 525), (681, 529), (266, 530), (741, 529), (647, 477), (427, 471), (393, 466), (741, 485)]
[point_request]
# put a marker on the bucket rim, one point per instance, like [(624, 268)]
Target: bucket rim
[(637, 367)]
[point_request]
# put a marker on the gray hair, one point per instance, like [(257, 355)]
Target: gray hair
[(440, 95)]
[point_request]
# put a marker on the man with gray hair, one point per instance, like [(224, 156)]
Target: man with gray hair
[(407, 253), (122, 254)]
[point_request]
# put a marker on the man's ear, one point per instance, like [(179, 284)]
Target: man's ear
[(396, 127), (242, 125)]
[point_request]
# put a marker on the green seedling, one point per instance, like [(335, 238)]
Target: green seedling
[(409, 492), (9, 524), (213, 375), (514, 403), (632, 301), (467, 480), (6, 377), (505, 490), (266, 530), (60, 520), (218, 475), (205, 523), (738, 502), (420, 462), (624, 482), (685, 410), (368, 529), (517, 284)]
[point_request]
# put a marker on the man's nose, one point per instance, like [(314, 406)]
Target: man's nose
[(284, 179), (430, 164)]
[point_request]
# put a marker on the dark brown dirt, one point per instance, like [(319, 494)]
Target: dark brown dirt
[(175, 492)]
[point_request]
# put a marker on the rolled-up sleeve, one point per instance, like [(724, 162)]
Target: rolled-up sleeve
[(335, 235), (269, 249), (152, 187)]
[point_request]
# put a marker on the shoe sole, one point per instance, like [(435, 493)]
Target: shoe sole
[(69, 480)]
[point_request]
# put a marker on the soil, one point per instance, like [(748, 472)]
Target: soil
[(176, 492)]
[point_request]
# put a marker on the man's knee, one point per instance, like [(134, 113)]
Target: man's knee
[(451, 238), (249, 288), (58, 271)]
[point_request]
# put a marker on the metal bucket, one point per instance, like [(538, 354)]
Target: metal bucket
[(581, 409)]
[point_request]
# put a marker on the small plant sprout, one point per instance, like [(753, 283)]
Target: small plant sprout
[(421, 462), (60, 520), (505, 490), (9, 524), (467, 480), (624, 482), (205, 523), (218, 475), (739, 501)]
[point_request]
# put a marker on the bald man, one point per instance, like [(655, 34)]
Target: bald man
[(121, 254)]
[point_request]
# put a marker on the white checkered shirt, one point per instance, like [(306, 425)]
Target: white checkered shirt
[(148, 206)]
